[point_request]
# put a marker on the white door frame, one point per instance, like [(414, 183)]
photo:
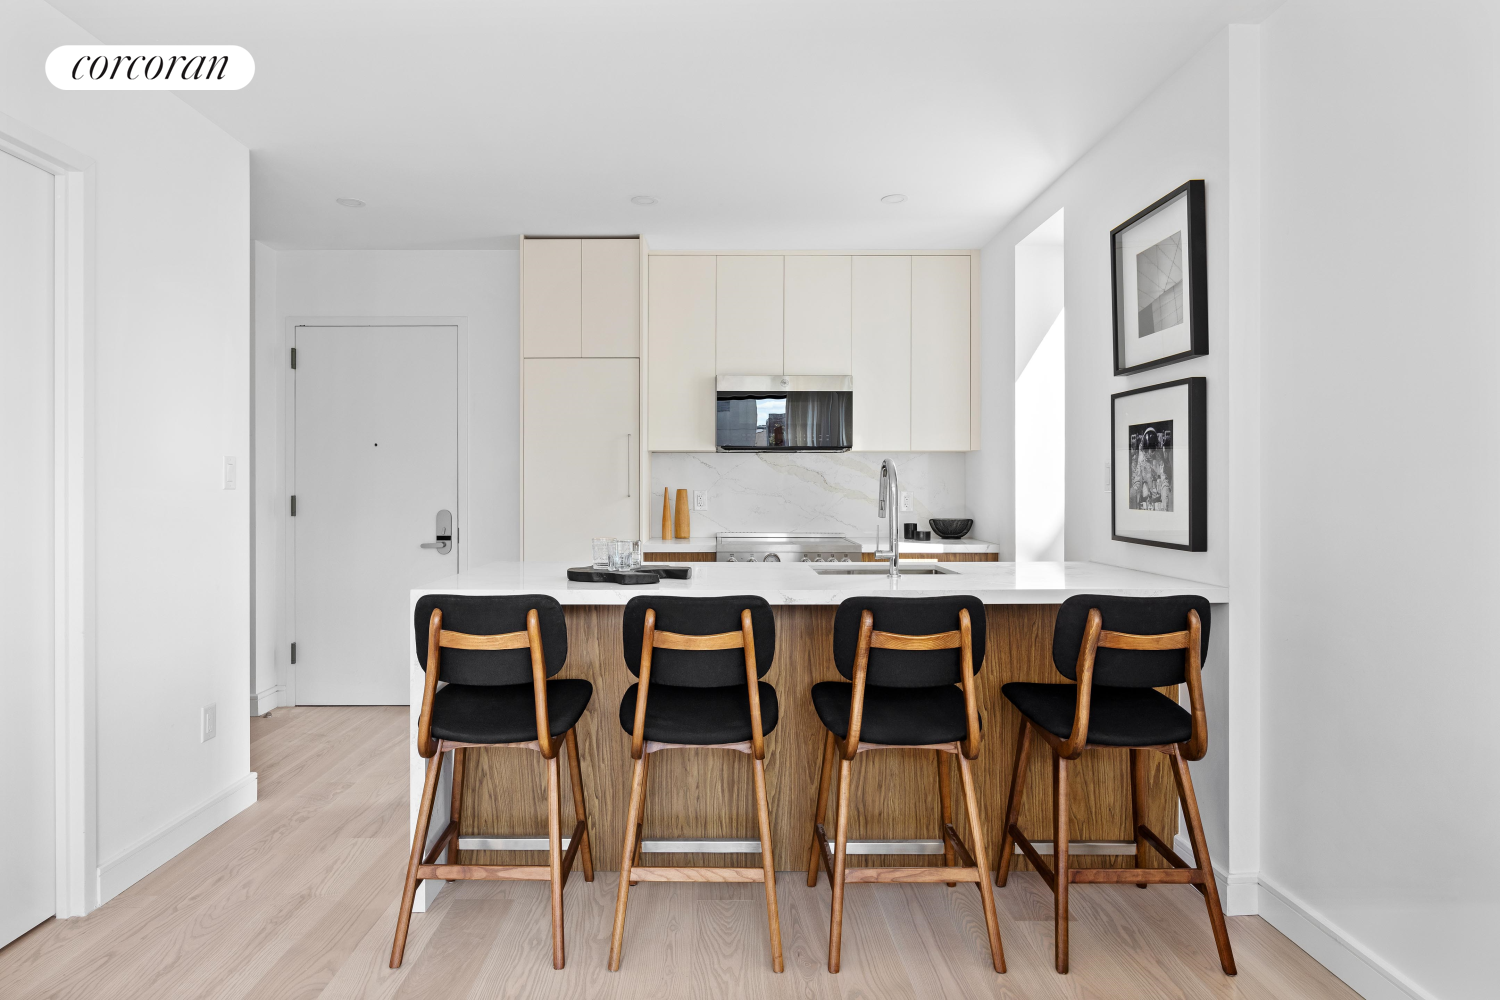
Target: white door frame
[(73, 641), (289, 449)]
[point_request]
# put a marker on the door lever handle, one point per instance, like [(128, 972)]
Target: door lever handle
[(444, 534)]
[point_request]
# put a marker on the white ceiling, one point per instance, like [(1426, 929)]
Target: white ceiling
[(763, 124)]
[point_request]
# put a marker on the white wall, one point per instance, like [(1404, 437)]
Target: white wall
[(1382, 777), (481, 286), (1040, 395), (171, 316)]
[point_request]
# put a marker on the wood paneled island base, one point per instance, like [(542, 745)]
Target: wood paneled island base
[(708, 793)]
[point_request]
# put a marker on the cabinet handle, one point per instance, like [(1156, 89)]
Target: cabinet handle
[(628, 494)]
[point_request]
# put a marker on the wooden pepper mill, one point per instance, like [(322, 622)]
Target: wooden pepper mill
[(684, 526), (666, 513)]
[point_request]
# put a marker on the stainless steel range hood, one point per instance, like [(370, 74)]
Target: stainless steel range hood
[(785, 413)]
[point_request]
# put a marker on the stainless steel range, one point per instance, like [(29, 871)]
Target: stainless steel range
[(800, 546)]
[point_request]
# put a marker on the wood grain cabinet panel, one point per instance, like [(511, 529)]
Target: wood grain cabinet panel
[(882, 353), (610, 305), (818, 303), (940, 353), (551, 294), (749, 314), (680, 303)]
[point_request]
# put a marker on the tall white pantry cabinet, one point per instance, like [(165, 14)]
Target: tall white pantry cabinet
[(581, 441)]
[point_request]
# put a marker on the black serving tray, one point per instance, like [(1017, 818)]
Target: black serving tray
[(629, 578)]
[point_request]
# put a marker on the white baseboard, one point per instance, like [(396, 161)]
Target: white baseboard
[(155, 849), (1365, 972), (263, 701), (1239, 893)]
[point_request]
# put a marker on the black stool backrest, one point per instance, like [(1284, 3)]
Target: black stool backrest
[(484, 615), (908, 616), (699, 616), (1137, 668)]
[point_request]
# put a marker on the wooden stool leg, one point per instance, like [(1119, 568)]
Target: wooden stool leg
[(1060, 859), (632, 824), (820, 814), (640, 825), (580, 811), (768, 863), (418, 844), (840, 852), (456, 808), (945, 803), (554, 858), (1200, 857), (1013, 802), (1138, 808), (981, 859)]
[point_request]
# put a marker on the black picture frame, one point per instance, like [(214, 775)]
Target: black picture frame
[(1197, 453), (1197, 278)]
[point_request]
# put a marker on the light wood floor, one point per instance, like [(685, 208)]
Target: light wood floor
[(297, 896)]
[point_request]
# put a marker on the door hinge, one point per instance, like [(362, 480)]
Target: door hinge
[(294, 652), (294, 505), (294, 357)]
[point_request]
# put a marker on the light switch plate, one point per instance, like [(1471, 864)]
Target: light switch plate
[(210, 722), (905, 500), (700, 499), (230, 477)]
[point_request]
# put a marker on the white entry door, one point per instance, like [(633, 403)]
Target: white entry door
[(28, 870), (376, 461)]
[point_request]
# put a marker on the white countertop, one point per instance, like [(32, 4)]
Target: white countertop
[(797, 583), (707, 543)]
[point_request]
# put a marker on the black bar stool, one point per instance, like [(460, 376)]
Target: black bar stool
[(699, 660), (903, 695), (1113, 705), (500, 652)]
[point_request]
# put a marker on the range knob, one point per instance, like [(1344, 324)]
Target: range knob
[(772, 557)]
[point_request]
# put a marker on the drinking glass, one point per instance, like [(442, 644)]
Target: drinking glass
[(635, 554), (619, 554), (601, 553)]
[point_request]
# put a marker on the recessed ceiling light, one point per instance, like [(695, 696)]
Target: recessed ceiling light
[(350, 202), (643, 199), (894, 199)]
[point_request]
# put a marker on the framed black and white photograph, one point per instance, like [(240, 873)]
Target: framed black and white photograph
[(1159, 273), (1159, 465)]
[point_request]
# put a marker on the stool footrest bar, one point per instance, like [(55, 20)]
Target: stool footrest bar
[(646, 874)]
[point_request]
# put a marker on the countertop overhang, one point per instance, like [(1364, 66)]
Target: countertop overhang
[(797, 583)]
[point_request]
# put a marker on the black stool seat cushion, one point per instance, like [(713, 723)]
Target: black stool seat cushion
[(1118, 716), (700, 716), (902, 716), (507, 713)]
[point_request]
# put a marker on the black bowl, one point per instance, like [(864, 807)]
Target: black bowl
[(951, 527)]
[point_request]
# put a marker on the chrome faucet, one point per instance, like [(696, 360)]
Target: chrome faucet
[(889, 508)]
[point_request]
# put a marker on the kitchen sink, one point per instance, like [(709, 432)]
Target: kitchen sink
[(881, 569)]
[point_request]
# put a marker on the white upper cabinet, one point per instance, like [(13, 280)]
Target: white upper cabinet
[(749, 312), (818, 315), (551, 294), (940, 353), (882, 353), (611, 298), (680, 305)]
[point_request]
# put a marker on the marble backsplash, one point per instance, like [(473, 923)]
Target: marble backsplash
[(804, 492)]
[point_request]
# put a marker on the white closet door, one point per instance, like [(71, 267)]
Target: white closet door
[(582, 448), (818, 302), (28, 870), (551, 298), (882, 353), (611, 315), (680, 374), (749, 316), (940, 354)]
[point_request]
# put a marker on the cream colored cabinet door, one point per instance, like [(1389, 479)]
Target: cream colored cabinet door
[(580, 461), (749, 315), (882, 353), (611, 298), (680, 393), (818, 307), (551, 297), (940, 353)]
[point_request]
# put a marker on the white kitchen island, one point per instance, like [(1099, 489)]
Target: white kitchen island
[(504, 791)]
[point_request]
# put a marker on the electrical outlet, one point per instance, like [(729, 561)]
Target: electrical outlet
[(210, 723), (229, 472), (700, 499), (905, 500)]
